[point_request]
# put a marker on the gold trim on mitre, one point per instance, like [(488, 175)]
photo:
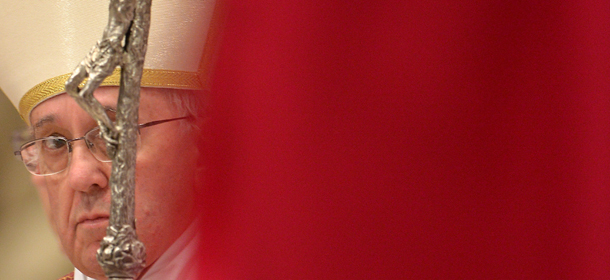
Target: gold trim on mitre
[(150, 78)]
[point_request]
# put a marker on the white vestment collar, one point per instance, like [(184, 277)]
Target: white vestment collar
[(178, 262)]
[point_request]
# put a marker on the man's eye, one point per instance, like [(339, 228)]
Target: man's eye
[(53, 143)]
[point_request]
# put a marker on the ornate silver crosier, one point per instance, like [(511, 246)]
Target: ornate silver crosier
[(123, 44)]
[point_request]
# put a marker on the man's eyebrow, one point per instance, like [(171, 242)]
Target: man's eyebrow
[(43, 121)]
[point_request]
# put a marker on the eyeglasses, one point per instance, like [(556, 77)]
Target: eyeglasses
[(51, 155)]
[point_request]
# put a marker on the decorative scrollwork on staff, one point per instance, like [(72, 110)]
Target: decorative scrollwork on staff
[(124, 42)]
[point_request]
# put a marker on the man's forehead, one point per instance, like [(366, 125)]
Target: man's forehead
[(55, 116), (48, 110), (50, 118), (56, 109)]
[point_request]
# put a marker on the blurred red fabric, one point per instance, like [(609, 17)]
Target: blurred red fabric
[(410, 140)]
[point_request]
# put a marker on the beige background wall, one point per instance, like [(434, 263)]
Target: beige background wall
[(29, 248)]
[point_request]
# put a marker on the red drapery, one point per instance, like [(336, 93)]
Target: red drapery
[(401, 140)]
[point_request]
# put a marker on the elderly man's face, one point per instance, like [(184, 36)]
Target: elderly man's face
[(79, 197)]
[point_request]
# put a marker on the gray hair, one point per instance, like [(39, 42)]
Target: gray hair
[(190, 102)]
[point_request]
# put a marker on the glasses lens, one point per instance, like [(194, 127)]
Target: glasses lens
[(97, 145), (45, 156)]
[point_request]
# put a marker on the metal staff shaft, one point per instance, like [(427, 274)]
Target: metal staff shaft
[(124, 43)]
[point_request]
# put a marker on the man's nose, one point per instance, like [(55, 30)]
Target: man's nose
[(85, 171)]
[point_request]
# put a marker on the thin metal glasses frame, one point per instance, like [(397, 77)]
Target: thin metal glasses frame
[(88, 143)]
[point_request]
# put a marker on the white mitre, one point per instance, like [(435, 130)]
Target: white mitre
[(42, 42)]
